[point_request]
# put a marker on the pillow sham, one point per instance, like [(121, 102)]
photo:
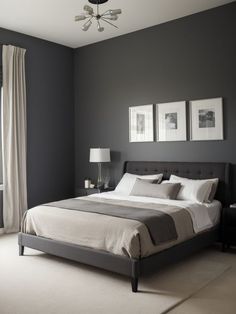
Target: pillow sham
[(212, 193), (166, 191), (127, 182), (194, 190)]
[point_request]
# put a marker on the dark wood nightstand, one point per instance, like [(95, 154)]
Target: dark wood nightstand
[(228, 227), (86, 192)]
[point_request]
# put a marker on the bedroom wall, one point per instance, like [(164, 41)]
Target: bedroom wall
[(50, 117), (189, 58)]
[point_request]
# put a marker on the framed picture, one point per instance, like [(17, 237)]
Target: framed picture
[(206, 119), (141, 124), (171, 121)]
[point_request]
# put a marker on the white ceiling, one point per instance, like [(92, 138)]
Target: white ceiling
[(54, 19)]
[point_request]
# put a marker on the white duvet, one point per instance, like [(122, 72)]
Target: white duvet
[(118, 235), (204, 216)]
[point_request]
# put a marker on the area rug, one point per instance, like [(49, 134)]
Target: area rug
[(38, 283)]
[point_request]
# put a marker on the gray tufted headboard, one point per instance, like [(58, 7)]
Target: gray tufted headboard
[(192, 170)]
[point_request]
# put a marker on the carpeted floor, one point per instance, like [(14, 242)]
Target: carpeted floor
[(41, 284), (219, 297)]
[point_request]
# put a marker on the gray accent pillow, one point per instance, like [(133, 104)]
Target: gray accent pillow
[(166, 191)]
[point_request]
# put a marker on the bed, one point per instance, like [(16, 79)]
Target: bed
[(131, 262)]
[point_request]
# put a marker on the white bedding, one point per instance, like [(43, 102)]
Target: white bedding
[(118, 235), (204, 216)]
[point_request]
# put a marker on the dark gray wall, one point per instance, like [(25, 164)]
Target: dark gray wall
[(190, 58), (50, 117)]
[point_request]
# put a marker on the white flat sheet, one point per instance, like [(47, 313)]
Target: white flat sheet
[(204, 216)]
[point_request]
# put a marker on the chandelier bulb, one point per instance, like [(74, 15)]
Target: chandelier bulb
[(86, 26), (80, 18), (88, 9), (100, 29), (116, 11)]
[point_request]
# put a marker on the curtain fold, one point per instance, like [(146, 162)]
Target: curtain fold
[(14, 137)]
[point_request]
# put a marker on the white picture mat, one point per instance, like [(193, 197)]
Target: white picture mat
[(179, 132), (206, 133), (145, 111)]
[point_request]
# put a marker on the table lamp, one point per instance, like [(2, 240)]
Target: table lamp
[(99, 155)]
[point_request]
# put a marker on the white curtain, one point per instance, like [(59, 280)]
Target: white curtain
[(14, 137)]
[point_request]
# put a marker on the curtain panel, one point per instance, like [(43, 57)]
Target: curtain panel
[(13, 117), (0, 76), (1, 196)]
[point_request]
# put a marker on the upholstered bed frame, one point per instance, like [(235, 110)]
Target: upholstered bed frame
[(134, 268)]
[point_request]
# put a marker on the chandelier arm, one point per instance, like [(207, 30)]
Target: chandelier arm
[(109, 23), (88, 21), (105, 12), (108, 18)]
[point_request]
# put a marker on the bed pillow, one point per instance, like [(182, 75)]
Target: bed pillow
[(166, 191), (194, 190), (127, 182), (212, 193)]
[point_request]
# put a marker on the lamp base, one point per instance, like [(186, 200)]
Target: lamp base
[(97, 1), (100, 185)]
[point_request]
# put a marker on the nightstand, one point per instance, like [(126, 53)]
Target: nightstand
[(86, 192), (228, 227)]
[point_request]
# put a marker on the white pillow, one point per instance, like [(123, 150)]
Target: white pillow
[(127, 182), (194, 190)]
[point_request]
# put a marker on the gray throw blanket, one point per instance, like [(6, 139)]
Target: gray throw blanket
[(160, 225)]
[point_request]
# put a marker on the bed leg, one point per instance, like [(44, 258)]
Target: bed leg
[(135, 275), (134, 284), (21, 250)]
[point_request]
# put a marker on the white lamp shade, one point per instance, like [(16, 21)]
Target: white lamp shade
[(100, 155)]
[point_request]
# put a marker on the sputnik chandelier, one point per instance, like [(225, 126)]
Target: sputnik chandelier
[(90, 15)]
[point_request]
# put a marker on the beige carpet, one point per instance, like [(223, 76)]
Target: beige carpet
[(41, 284), (219, 297)]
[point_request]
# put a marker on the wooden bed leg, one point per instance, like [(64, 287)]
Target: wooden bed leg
[(135, 275), (21, 250), (134, 284)]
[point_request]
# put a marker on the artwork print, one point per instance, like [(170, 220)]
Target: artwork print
[(206, 119), (141, 124), (171, 121)]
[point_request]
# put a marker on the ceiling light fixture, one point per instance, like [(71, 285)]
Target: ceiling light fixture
[(89, 15)]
